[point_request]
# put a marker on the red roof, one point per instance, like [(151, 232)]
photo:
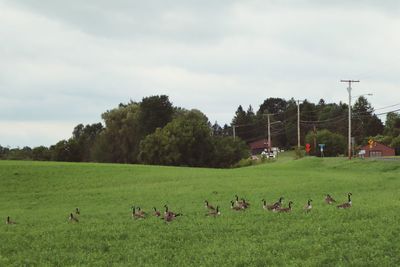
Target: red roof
[(259, 144), (386, 151)]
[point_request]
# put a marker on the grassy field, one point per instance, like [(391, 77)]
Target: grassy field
[(40, 195)]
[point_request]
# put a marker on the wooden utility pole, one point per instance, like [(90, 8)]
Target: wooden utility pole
[(269, 134), (298, 124), (349, 91), (234, 132)]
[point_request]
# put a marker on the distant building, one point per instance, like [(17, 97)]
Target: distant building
[(258, 146), (377, 150)]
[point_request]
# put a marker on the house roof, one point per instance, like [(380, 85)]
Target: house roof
[(259, 144), (376, 146)]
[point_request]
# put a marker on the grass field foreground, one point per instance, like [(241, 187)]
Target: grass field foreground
[(40, 195)]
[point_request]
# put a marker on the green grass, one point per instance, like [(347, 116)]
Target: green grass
[(40, 195)]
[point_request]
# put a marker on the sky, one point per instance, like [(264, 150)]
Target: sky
[(66, 62)]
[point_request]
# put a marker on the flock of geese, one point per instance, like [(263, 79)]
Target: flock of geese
[(236, 205)]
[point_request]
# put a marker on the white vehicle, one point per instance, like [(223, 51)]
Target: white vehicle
[(268, 154)]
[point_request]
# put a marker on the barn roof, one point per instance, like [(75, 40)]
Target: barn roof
[(376, 146), (259, 144)]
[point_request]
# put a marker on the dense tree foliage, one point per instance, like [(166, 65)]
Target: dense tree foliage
[(188, 141), (335, 144), (156, 132)]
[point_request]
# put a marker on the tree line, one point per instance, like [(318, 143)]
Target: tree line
[(323, 122), (154, 131)]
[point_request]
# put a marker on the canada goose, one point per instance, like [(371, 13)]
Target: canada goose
[(237, 202), (9, 221), (214, 213), (141, 212), (288, 209), (329, 200), (169, 215), (157, 213), (137, 213), (208, 206), (308, 206), (277, 205), (77, 211), (346, 204), (266, 206), (244, 204), (236, 208), (72, 218)]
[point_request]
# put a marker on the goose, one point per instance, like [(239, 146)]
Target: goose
[(244, 204), (346, 204), (141, 212), (308, 206), (169, 215), (236, 208), (73, 219), (208, 206), (237, 202), (9, 221), (77, 211), (214, 213), (157, 213), (329, 200), (265, 206), (277, 205), (137, 213), (270, 207), (288, 209)]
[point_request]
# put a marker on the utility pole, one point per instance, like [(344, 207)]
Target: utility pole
[(269, 134), (349, 91), (298, 124), (234, 132)]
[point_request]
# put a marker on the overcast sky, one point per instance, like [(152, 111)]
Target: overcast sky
[(65, 62)]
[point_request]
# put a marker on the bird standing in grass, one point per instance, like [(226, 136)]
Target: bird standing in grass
[(214, 213), (169, 215), (208, 206), (137, 213), (77, 211), (270, 207), (329, 200), (244, 204), (9, 221), (308, 206), (347, 204), (235, 207), (72, 218), (157, 213), (288, 209)]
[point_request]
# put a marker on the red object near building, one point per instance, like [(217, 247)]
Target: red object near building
[(377, 150), (308, 148)]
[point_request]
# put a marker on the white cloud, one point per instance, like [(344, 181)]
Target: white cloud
[(71, 61), (27, 133)]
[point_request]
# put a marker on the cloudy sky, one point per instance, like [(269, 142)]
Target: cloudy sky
[(65, 62)]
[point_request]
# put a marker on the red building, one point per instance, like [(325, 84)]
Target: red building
[(377, 150), (258, 146)]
